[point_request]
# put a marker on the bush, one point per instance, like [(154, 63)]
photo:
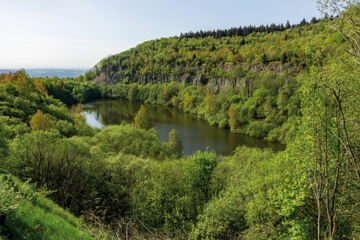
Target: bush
[(66, 128), (129, 139), (258, 129)]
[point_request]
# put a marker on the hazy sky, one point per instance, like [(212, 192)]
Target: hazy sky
[(79, 33)]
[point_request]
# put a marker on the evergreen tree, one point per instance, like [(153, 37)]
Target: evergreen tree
[(288, 25), (242, 42), (313, 20), (243, 31), (303, 22)]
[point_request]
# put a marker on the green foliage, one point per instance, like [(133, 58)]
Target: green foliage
[(27, 214), (66, 128), (257, 114), (233, 122), (198, 172), (222, 218), (258, 129), (142, 120), (81, 127), (247, 206), (129, 139), (18, 109), (264, 68), (329, 123), (3, 142), (54, 162), (217, 58), (71, 91), (39, 121), (175, 143), (279, 85)]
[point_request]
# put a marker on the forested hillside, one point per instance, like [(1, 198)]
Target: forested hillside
[(247, 83), (220, 62)]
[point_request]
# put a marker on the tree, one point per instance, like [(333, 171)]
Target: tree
[(330, 133), (79, 93), (81, 127), (133, 92), (173, 100), (175, 142), (210, 101), (187, 100), (59, 163), (142, 119), (39, 121), (24, 84), (77, 109), (3, 142), (345, 91), (65, 128), (198, 172), (313, 20), (242, 42), (233, 118), (303, 22), (288, 25), (348, 12), (166, 93), (40, 86)]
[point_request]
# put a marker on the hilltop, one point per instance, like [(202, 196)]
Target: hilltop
[(220, 62)]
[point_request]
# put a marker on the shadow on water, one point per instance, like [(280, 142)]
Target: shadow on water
[(195, 134)]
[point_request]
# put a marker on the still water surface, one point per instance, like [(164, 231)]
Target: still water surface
[(195, 134)]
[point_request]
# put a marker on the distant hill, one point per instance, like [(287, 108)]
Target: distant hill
[(50, 72), (220, 62)]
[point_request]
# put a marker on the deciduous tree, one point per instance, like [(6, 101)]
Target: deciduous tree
[(233, 122), (210, 104), (142, 119), (40, 121), (175, 143), (348, 12)]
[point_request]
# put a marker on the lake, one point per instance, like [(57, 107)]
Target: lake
[(195, 134)]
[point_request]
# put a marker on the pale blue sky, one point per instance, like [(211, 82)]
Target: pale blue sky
[(79, 33)]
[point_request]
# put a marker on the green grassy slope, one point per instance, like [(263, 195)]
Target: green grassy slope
[(27, 214)]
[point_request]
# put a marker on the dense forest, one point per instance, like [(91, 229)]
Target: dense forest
[(63, 179)]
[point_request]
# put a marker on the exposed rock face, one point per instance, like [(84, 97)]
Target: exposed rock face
[(107, 76)]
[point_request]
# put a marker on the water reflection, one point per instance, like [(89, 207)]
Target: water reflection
[(195, 134)]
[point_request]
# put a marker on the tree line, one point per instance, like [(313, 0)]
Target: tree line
[(245, 31)]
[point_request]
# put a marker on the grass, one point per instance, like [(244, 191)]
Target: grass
[(26, 214)]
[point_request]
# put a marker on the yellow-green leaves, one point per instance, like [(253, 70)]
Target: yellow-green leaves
[(39, 121)]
